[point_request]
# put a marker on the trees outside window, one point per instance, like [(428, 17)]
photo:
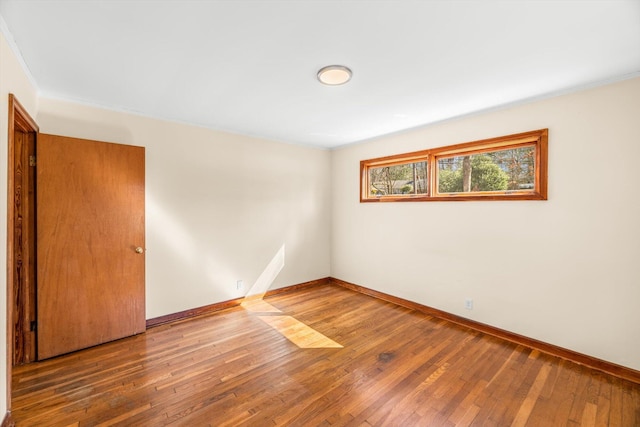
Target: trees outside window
[(501, 170), (508, 167), (407, 178)]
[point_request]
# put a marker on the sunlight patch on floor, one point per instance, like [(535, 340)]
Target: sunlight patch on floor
[(299, 333), (258, 306), (295, 331)]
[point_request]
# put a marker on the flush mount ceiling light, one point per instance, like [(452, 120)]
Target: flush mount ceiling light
[(334, 75)]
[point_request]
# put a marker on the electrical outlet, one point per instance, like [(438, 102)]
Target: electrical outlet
[(468, 303), (239, 284)]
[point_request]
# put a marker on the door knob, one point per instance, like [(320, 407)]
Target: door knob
[(139, 250)]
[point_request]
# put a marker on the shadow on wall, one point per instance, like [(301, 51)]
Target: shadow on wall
[(182, 244), (99, 131)]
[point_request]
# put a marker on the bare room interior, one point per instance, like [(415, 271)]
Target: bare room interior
[(319, 213)]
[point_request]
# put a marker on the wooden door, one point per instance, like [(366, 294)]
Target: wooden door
[(90, 240), (24, 244)]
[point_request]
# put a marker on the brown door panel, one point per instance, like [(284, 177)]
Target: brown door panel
[(90, 220)]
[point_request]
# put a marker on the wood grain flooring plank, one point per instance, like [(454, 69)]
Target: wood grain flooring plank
[(580, 400), (530, 400), (630, 410), (398, 367)]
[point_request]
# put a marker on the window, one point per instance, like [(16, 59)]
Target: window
[(404, 178), (512, 167)]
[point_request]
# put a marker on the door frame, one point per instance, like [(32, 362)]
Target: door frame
[(19, 120)]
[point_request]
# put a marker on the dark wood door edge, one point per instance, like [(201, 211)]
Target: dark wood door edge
[(19, 119)]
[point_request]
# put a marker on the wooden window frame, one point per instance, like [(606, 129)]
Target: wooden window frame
[(537, 139)]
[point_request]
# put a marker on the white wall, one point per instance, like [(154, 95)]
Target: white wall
[(219, 206), (12, 80), (565, 271)]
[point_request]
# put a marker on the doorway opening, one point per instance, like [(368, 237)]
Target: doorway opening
[(21, 238), (21, 235)]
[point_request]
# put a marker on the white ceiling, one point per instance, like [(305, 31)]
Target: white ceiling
[(249, 67)]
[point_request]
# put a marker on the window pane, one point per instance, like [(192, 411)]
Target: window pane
[(502, 170), (403, 179)]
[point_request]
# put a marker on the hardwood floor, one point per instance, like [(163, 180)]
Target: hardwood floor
[(397, 367)]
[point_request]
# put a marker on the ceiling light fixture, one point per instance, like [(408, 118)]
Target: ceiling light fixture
[(334, 75)]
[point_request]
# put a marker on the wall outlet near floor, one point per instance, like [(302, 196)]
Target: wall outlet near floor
[(239, 284), (468, 303)]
